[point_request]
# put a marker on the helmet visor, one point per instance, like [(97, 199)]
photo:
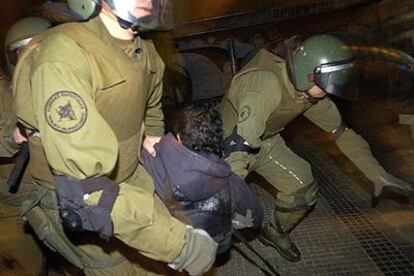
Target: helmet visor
[(334, 77), (13, 51), (11, 56), (144, 14)]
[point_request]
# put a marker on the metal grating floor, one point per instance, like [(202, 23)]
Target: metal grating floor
[(342, 236)]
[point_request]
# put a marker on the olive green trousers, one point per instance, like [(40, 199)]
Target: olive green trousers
[(282, 168)]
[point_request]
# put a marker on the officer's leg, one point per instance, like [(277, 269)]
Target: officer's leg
[(292, 177), (20, 252)]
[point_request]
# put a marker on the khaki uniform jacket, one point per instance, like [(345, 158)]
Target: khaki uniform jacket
[(88, 100), (262, 101), (86, 97)]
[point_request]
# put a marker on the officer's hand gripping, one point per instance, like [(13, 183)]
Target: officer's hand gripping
[(149, 143)]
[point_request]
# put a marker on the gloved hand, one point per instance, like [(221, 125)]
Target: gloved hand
[(198, 253), (76, 214), (395, 184)]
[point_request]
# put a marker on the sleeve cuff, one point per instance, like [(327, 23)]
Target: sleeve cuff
[(155, 131)]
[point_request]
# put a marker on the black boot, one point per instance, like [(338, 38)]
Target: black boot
[(281, 242), (276, 233)]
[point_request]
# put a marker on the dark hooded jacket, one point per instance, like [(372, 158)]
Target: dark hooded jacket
[(200, 189)]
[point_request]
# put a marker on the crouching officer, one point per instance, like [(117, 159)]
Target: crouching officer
[(264, 97), (84, 92), (20, 252)]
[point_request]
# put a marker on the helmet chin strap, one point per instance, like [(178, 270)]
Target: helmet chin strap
[(124, 24), (121, 22), (128, 25), (311, 98)]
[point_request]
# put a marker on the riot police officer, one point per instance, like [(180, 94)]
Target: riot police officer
[(89, 96), (264, 97)]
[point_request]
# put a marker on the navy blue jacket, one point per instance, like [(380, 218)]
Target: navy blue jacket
[(182, 177)]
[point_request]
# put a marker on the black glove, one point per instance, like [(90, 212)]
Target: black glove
[(79, 216), (391, 182)]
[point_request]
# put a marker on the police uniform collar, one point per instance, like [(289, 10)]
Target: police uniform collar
[(129, 47), (296, 95), (98, 28)]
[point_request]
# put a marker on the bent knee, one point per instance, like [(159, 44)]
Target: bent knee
[(303, 197)]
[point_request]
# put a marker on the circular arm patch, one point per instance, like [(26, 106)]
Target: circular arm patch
[(65, 111), (245, 113)]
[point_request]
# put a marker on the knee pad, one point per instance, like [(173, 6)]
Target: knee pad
[(304, 198)]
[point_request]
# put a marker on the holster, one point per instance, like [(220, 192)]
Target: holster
[(49, 229), (48, 234), (46, 231)]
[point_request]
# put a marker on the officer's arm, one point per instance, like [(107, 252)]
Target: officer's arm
[(79, 145), (8, 147), (256, 101), (356, 148), (326, 115), (76, 139), (154, 118)]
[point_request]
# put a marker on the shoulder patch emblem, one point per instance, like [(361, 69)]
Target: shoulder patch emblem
[(245, 113), (65, 111)]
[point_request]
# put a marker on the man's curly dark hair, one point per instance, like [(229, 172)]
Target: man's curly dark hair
[(200, 127)]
